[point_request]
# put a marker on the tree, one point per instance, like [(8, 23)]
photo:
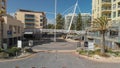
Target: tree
[(79, 22), (102, 25), (1, 27), (59, 21), (73, 26), (50, 26)]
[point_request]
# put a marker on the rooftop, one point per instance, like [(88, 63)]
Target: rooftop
[(23, 10)]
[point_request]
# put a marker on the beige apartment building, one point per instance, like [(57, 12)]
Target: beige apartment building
[(111, 9), (32, 19), (101, 8), (12, 30)]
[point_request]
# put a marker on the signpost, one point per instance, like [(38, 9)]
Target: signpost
[(30, 43), (19, 44), (91, 46)]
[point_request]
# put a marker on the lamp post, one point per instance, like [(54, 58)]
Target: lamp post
[(55, 21)]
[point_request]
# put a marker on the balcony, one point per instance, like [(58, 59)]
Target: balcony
[(106, 2), (28, 16), (106, 10), (29, 20)]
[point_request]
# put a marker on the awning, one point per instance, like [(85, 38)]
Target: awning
[(28, 33)]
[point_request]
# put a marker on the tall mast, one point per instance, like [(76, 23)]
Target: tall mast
[(72, 17)]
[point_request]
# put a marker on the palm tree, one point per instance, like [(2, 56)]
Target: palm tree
[(102, 25), (1, 27)]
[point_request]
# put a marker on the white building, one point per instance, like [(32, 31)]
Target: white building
[(68, 20)]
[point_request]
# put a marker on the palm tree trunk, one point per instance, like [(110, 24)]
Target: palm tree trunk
[(103, 42)]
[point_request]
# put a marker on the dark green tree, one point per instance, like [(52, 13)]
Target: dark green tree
[(59, 21), (50, 26), (79, 22), (73, 26)]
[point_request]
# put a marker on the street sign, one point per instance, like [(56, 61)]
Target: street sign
[(19, 44), (30, 42), (91, 46), (5, 46)]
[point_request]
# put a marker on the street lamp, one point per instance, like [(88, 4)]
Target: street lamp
[(55, 21)]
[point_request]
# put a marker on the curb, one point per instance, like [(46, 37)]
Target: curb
[(97, 60), (16, 59)]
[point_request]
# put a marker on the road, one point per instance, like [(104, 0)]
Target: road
[(57, 59)]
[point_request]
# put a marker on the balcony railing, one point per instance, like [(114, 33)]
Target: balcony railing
[(106, 8), (106, 1)]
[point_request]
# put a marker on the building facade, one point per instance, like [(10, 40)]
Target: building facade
[(32, 19), (86, 20), (12, 30), (110, 9)]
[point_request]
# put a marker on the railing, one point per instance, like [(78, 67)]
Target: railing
[(106, 8), (52, 30), (108, 1)]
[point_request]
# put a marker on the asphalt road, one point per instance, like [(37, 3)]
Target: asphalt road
[(56, 59)]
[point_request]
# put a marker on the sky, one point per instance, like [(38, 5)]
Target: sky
[(48, 6)]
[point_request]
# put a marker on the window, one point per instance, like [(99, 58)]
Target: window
[(29, 16), (29, 20), (114, 0), (114, 6), (41, 24), (114, 14), (41, 20), (41, 17)]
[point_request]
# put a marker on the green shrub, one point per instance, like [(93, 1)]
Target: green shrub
[(4, 55), (13, 51), (97, 51), (29, 50), (104, 55), (91, 52), (83, 52), (1, 50)]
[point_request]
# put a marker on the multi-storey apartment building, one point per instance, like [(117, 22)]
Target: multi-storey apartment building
[(101, 8), (32, 19), (111, 9), (12, 30)]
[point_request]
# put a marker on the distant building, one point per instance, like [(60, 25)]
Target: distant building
[(12, 30), (86, 20), (32, 19), (68, 20)]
